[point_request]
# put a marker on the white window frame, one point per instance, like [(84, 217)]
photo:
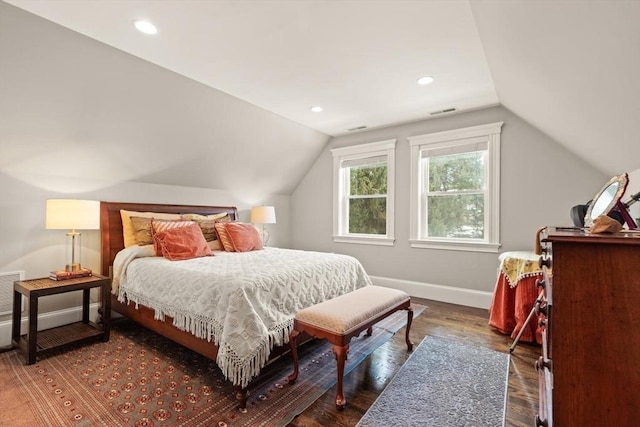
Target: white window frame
[(488, 134), (341, 188)]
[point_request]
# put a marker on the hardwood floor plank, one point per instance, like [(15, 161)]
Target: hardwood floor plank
[(465, 324)]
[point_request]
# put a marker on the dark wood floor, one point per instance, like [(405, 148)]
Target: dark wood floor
[(469, 325)]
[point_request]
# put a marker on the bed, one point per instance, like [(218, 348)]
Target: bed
[(254, 295)]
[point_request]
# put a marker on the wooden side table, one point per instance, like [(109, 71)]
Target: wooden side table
[(36, 342)]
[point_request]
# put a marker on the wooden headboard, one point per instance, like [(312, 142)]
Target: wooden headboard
[(111, 223)]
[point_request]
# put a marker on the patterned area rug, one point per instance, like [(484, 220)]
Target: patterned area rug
[(139, 378), (444, 383)]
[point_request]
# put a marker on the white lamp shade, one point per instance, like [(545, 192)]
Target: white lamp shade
[(263, 215), (71, 214)]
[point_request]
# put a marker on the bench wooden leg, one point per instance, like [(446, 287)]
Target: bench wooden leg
[(294, 354), (409, 320), (341, 356), (241, 396)]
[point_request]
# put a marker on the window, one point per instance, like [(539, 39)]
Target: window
[(363, 193), (455, 189)]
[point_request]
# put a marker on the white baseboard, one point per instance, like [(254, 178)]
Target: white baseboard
[(47, 321), (450, 294)]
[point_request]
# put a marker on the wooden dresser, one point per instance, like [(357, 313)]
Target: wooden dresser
[(590, 365)]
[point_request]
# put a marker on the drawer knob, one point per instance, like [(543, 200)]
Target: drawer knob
[(541, 423), (544, 262), (541, 363)]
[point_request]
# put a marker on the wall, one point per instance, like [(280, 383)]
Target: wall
[(540, 182), (80, 119)]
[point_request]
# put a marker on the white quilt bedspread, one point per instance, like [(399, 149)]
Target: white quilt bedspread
[(244, 302)]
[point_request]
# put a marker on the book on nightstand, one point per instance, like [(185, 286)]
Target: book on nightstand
[(63, 274)]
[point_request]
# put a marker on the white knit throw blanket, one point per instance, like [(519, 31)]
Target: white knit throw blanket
[(243, 302)]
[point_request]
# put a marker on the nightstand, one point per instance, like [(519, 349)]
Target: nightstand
[(36, 342)]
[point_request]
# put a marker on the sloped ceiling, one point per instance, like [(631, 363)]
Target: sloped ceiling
[(570, 68)]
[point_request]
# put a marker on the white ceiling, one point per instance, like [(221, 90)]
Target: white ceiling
[(570, 68)]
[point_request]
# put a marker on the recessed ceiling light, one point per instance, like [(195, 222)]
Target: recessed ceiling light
[(425, 80), (145, 27), (316, 109)]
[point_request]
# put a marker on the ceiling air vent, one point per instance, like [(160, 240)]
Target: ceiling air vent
[(357, 128), (446, 110)]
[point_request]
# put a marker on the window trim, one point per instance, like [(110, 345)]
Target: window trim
[(381, 148), (491, 134)]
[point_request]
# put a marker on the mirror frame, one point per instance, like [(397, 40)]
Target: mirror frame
[(622, 181)]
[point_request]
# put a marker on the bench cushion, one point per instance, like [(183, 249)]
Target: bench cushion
[(347, 312)]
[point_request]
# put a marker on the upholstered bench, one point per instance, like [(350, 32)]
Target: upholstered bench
[(344, 317)]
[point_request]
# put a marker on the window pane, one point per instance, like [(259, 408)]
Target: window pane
[(457, 172), (368, 180), (368, 216), (460, 216)]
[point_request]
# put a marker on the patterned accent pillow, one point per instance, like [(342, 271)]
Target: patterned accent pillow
[(244, 237), (159, 226), (128, 233), (142, 228), (193, 216), (180, 243), (227, 245), (207, 223)]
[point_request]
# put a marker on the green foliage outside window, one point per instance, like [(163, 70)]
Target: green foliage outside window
[(368, 199), (459, 214)]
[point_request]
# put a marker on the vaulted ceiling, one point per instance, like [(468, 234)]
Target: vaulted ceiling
[(570, 68)]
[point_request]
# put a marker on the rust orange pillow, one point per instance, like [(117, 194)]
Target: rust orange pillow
[(158, 226), (182, 243), (244, 237)]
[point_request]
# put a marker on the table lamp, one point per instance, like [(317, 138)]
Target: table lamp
[(263, 215), (65, 214)]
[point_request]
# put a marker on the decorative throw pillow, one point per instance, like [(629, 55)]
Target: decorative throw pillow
[(224, 237), (159, 226), (142, 227), (208, 228), (194, 216), (182, 243), (244, 237), (207, 223), (128, 233)]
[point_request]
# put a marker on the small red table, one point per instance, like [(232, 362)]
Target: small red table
[(515, 294)]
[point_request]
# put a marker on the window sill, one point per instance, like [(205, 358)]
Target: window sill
[(449, 245), (363, 240)]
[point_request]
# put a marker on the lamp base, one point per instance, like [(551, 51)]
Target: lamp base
[(265, 236), (73, 268)]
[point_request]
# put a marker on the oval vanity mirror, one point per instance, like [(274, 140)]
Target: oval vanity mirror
[(607, 198)]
